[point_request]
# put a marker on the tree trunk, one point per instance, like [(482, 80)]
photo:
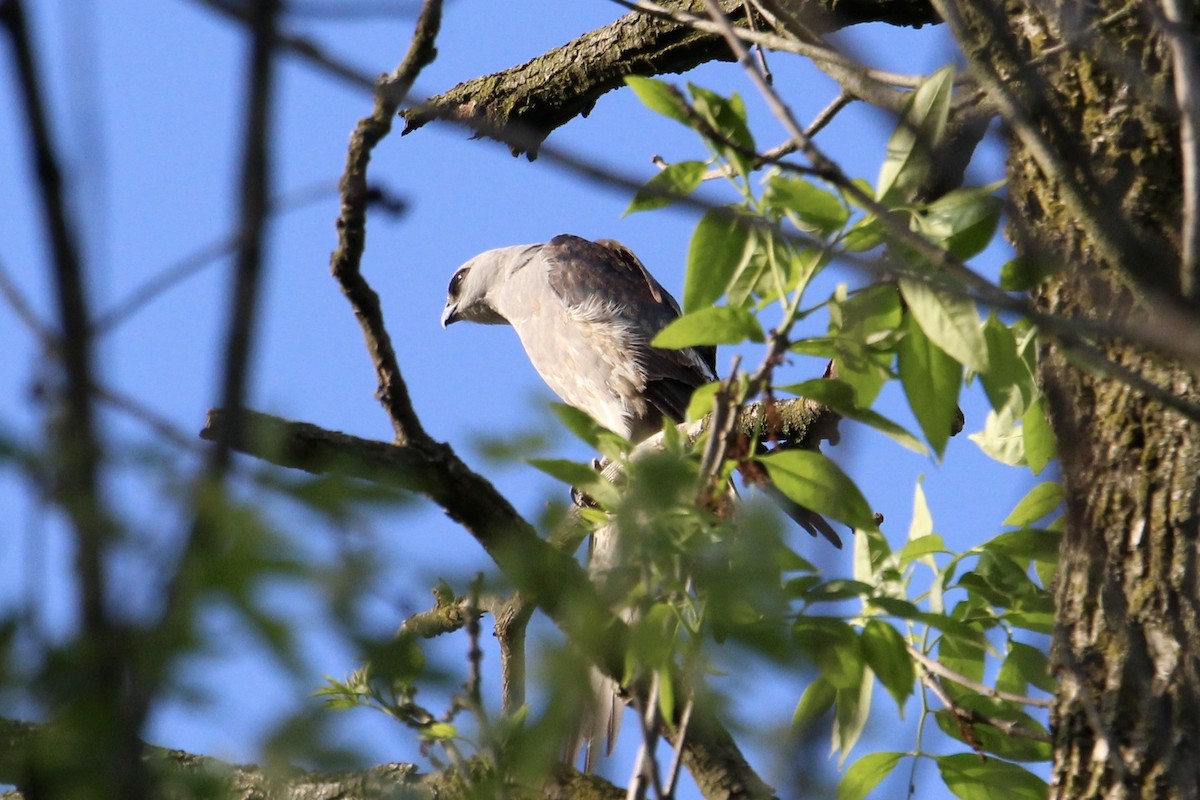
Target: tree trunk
[(1126, 721)]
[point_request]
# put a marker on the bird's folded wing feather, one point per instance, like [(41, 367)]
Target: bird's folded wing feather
[(609, 283)]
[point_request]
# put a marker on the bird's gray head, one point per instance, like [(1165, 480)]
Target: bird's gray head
[(474, 293)]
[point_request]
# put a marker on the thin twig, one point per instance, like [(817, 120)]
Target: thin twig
[(967, 718), (24, 311), (206, 255), (346, 260), (254, 194), (940, 669), (819, 54), (299, 46), (677, 755), (645, 766), (1180, 38)]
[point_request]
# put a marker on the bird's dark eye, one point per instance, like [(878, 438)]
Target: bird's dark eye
[(456, 281)]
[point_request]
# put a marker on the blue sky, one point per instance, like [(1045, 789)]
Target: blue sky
[(145, 96)]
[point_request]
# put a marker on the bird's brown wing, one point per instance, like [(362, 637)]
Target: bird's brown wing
[(609, 280)]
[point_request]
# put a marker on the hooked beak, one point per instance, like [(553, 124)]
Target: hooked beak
[(450, 314)]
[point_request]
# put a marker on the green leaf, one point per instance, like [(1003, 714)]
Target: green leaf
[(865, 774), (840, 396), (964, 656), (727, 117), (719, 249), (952, 323), (675, 181), (918, 132), (815, 701), (712, 325), (1025, 665), (931, 381), (1030, 543), (439, 731), (973, 779), (1024, 273), (962, 221), (922, 520), (1001, 439), (834, 647), (701, 401), (888, 658), (1036, 504), (659, 96), (580, 476), (1008, 381), (819, 210), (863, 235), (1040, 445), (923, 546), (990, 738), (583, 426), (851, 710), (817, 483), (863, 328)]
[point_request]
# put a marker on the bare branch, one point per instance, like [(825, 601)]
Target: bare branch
[(554, 88), (548, 577), (346, 259)]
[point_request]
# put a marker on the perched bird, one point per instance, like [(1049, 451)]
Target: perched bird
[(586, 313)]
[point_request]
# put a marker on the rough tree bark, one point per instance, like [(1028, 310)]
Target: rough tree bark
[(1127, 644)]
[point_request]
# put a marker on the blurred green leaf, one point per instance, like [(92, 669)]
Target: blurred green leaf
[(931, 381), (727, 118), (963, 221), (1001, 438), (816, 700), (1024, 273), (1040, 445), (852, 708), (964, 656), (719, 248), (923, 546), (439, 731), (862, 330), (1033, 543), (713, 325), (992, 739), (817, 483), (865, 774), (582, 477), (834, 647), (888, 657), (817, 209), (971, 778), (675, 181)]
